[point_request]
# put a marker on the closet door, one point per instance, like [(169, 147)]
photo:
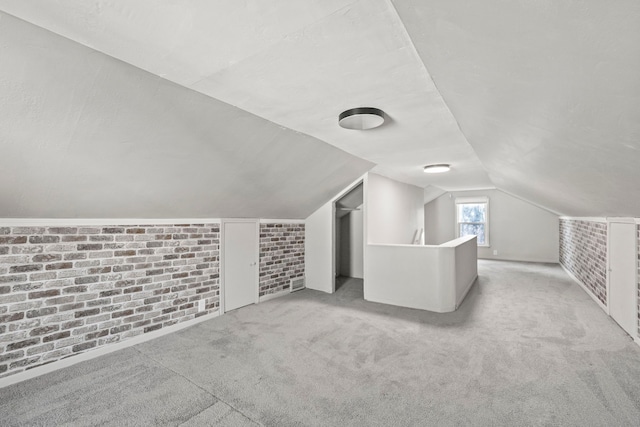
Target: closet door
[(623, 275), (240, 263)]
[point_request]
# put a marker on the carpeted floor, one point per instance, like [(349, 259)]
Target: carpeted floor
[(527, 347)]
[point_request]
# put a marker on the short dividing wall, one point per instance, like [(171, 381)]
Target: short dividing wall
[(434, 278)]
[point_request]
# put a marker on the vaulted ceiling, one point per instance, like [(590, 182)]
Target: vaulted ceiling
[(145, 106)]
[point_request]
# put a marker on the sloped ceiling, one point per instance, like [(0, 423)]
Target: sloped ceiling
[(546, 92), (295, 63), (84, 135), (540, 99)]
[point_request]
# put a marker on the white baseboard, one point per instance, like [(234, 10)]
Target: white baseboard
[(584, 288), (274, 295), (281, 221), (466, 291), (45, 222), (101, 351), (501, 258), (585, 218)]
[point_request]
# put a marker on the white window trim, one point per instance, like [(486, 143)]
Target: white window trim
[(479, 199)]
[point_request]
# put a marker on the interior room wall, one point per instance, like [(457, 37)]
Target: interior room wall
[(638, 252), (319, 249), (66, 290), (337, 259), (352, 245), (584, 254), (439, 220), (518, 230), (281, 256), (394, 210)]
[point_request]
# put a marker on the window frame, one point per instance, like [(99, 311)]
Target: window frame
[(474, 200)]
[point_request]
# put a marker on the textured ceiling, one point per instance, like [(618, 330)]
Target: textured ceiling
[(295, 63), (547, 93), (85, 136), (540, 99)]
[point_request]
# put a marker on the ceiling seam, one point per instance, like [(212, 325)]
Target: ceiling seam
[(419, 57), (285, 37)]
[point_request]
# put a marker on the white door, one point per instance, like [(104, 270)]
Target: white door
[(623, 276), (240, 263)]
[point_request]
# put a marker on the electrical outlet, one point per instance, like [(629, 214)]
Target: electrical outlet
[(201, 305), (495, 252)]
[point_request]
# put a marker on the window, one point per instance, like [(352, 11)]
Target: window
[(472, 218)]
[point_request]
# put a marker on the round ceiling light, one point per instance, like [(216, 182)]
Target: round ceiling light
[(437, 168), (362, 118)]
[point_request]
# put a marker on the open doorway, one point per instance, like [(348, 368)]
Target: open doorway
[(349, 243)]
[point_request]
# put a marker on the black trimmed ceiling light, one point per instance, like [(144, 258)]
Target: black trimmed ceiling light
[(362, 118), (440, 168)]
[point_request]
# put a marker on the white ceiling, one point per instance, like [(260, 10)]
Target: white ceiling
[(540, 99), (546, 92), (85, 136), (295, 63)]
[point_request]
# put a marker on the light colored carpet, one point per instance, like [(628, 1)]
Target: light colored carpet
[(527, 347)]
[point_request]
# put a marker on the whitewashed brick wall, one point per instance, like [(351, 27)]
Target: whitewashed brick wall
[(583, 252), (281, 256), (66, 290)]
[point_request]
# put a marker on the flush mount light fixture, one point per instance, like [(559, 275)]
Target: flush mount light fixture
[(362, 118), (437, 168)]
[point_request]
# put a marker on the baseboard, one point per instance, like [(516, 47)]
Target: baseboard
[(274, 295), (110, 348), (539, 261), (466, 291), (584, 288), (51, 222), (281, 221)]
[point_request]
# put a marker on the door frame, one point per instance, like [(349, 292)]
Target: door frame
[(622, 220), (224, 221), (334, 242)]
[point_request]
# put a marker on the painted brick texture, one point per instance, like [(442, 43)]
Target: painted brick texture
[(583, 252), (281, 256), (66, 290)]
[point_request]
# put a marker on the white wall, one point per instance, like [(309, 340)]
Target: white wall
[(318, 249), (434, 278), (337, 256), (351, 245), (465, 258), (439, 220), (518, 230), (394, 210)]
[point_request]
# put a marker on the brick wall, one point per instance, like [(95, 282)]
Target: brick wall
[(638, 233), (583, 252), (281, 256), (66, 290)]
